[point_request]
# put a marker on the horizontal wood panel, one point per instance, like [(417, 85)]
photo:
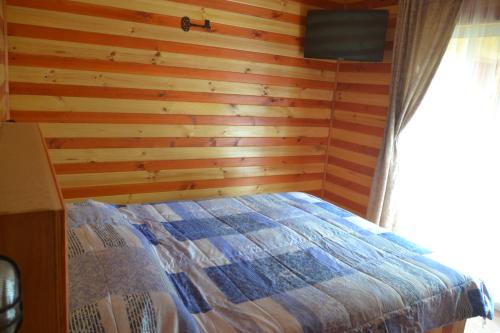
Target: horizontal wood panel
[(95, 167), (124, 80), (65, 20), (137, 177), (353, 186), (364, 78), (102, 105), (355, 127), (221, 19), (353, 166), (360, 118), (346, 192), (351, 156), (39, 46), (274, 8), (368, 99), (4, 100), (139, 118), (345, 203), (349, 175), (235, 4), (305, 186), (176, 153), (168, 13), (158, 95), (103, 38), (361, 108), (363, 88), (58, 130), (106, 190), (355, 147), (152, 69), (57, 143), (356, 137)]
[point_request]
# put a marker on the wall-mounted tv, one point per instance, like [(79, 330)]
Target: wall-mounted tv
[(357, 35)]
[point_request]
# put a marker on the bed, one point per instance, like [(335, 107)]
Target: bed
[(286, 262)]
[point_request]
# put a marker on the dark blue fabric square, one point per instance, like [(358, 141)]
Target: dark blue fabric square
[(150, 236), (251, 280), (479, 304), (248, 222), (222, 276), (313, 265), (198, 229), (174, 232), (404, 243), (189, 293)]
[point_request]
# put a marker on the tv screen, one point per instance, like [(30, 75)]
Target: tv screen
[(357, 35)]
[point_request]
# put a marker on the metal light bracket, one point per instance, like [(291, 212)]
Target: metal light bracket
[(186, 24)]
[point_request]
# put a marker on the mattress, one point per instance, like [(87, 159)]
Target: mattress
[(286, 262)]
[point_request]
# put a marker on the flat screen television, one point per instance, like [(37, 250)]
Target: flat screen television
[(357, 35)]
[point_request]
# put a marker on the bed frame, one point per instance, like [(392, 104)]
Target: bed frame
[(456, 327)]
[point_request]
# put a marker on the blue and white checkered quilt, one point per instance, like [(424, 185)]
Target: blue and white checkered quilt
[(286, 262)]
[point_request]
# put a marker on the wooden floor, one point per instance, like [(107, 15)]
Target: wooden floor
[(477, 325)]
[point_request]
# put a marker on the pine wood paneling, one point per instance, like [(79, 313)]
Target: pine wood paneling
[(307, 186), (4, 81), (126, 99), (116, 105), (57, 130), (94, 167), (226, 21), (106, 190), (104, 38), (46, 47), (169, 71), (129, 23), (177, 153), (134, 177), (359, 117), (134, 109), (153, 80)]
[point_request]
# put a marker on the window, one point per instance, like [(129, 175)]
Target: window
[(448, 189)]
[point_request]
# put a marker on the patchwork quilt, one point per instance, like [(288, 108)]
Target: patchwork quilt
[(286, 262)]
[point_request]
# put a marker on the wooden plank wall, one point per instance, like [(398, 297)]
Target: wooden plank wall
[(135, 110), (4, 83), (359, 118)]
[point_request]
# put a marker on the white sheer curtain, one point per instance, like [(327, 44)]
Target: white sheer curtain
[(448, 186)]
